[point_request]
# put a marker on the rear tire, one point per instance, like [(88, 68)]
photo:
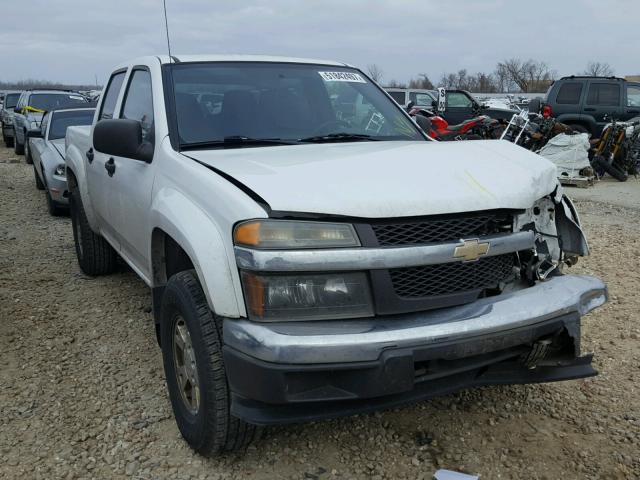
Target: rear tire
[(39, 184), (194, 369), (95, 255), (611, 169)]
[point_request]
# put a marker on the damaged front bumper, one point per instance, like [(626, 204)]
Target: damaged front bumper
[(302, 371)]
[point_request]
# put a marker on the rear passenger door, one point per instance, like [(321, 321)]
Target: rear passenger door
[(604, 100), (98, 180)]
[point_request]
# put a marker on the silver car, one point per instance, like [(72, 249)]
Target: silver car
[(6, 117), (30, 109), (46, 146)]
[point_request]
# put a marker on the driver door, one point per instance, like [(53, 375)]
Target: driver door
[(460, 107)]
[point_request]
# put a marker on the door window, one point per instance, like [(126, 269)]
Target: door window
[(633, 96), (138, 102), (399, 97), (607, 94), (458, 100), (422, 99), (111, 96), (569, 93)]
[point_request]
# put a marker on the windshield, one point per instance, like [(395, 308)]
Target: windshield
[(11, 100), (292, 103), (55, 101), (62, 120)]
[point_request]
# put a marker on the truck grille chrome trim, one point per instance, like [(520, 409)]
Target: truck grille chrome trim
[(344, 259)]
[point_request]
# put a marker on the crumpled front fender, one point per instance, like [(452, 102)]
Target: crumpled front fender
[(574, 242)]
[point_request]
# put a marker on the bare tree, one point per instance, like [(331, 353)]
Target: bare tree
[(529, 76), (598, 69), (421, 82), (375, 72), (396, 84)]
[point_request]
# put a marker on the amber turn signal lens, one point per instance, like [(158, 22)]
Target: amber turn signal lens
[(254, 290), (247, 234)]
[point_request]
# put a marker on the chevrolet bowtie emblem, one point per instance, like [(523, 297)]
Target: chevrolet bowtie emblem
[(471, 250)]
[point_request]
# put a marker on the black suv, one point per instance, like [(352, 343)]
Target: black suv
[(588, 103)]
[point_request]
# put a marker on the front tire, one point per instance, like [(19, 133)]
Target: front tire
[(39, 184), (195, 372), (95, 255), (610, 168), (8, 141), (18, 148), (27, 153)]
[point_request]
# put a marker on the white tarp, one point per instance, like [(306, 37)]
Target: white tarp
[(569, 153)]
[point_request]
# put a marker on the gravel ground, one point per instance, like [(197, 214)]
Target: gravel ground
[(82, 392)]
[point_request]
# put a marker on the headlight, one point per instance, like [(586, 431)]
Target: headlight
[(307, 297), (294, 234), (60, 170)]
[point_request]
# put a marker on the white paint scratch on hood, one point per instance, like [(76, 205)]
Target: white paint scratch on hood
[(389, 179)]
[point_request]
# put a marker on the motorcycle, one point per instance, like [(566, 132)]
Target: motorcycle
[(618, 150), (531, 129), (481, 127)]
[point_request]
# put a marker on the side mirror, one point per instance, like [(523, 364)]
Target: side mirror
[(17, 110), (535, 104), (34, 134), (410, 106), (122, 138)]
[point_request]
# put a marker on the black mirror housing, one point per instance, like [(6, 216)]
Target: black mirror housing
[(122, 138), (17, 110), (410, 105), (34, 134)]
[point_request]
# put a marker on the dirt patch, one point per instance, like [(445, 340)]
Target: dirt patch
[(82, 392)]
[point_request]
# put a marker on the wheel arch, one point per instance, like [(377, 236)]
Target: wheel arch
[(184, 237)]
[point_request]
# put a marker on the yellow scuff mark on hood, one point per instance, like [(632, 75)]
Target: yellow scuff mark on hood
[(475, 183)]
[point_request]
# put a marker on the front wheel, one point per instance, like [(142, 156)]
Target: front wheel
[(600, 163), (195, 372), (39, 184), (8, 141), (27, 152), (18, 148), (95, 255)]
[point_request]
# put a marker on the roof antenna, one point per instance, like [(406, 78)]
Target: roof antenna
[(166, 26)]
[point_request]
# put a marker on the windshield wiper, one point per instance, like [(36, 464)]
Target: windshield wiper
[(236, 141), (339, 137)]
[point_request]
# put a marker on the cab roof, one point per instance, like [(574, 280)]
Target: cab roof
[(165, 59)]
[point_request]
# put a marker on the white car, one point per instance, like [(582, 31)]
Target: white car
[(308, 260)]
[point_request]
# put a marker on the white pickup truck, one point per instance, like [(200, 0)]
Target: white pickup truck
[(311, 253)]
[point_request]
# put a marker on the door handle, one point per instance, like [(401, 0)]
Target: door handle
[(90, 155), (110, 166), (589, 109)]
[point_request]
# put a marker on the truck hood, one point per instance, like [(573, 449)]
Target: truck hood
[(388, 179)]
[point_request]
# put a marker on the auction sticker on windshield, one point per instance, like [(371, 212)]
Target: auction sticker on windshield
[(341, 77)]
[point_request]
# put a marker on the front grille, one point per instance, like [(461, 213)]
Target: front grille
[(452, 278), (442, 229)]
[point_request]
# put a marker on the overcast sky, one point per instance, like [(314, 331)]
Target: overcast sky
[(74, 40)]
